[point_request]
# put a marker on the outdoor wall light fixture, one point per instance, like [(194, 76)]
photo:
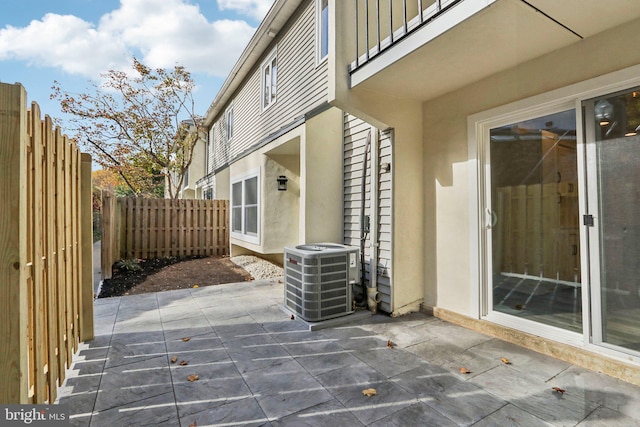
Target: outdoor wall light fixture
[(282, 183)]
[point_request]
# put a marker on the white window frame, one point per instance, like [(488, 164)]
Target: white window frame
[(269, 87), (478, 127), (242, 234), (206, 190), (320, 58), (229, 123)]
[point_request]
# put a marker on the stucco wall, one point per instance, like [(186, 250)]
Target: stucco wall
[(447, 281), (322, 178), (279, 211), (223, 186), (280, 208), (310, 156)]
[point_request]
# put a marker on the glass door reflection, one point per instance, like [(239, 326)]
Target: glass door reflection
[(535, 247)]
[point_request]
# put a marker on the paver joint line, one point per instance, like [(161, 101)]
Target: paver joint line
[(245, 379)]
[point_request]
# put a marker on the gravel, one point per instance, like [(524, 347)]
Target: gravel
[(258, 268)]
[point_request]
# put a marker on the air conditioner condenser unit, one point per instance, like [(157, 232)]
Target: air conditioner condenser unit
[(318, 280)]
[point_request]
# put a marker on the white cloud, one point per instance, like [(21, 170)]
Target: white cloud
[(161, 33), (63, 41), (257, 9)]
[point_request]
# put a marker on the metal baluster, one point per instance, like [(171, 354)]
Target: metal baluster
[(357, 36), (378, 22), (366, 19), (391, 21), (420, 10), (404, 17)]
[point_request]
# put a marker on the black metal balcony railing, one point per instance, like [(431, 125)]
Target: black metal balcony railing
[(389, 22)]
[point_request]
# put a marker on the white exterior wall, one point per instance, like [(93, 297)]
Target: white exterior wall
[(449, 169)]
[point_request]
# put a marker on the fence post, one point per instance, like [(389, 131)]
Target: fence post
[(86, 234), (13, 245), (107, 235)]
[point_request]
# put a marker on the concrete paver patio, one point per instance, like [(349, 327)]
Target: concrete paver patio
[(257, 367)]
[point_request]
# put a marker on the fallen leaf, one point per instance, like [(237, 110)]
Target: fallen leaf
[(195, 286), (183, 363), (279, 281), (464, 371), (185, 339), (519, 307), (194, 424), (193, 377), (559, 390), (174, 359), (292, 317), (369, 392), (505, 361), (389, 344)]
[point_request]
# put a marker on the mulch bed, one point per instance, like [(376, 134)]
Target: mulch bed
[(170, 273)]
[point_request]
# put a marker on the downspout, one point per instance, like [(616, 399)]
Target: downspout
[(364, 227)]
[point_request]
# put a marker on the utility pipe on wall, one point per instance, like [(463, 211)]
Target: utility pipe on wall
[(370, 294), (364, 227)]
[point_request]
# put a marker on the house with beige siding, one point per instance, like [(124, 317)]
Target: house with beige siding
[(271, 122), (514, 143), (485, 152)]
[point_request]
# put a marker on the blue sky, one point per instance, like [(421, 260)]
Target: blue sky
[(74, 41)]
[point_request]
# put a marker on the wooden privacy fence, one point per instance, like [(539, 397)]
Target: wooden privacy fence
[(156, 228), (46, 279), (537, 232)]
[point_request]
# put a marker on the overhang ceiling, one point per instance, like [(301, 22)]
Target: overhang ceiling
[(506, 33)]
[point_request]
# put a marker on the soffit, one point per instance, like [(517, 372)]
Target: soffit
[(589, 17)]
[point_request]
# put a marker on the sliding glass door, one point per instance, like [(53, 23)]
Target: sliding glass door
[(612, 132), (532, 221)]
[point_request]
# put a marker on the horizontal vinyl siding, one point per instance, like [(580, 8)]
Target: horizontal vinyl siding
[(384, 220), (221, 155), (355, 137), (211, 151), (301, 87)]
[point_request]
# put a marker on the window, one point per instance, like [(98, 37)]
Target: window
[(207, 194), (229, 123), (322, 29), (269, 81), (245, 207)]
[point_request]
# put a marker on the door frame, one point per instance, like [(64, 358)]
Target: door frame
[(478, 126), (594, 235)]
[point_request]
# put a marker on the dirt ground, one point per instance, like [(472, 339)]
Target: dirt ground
[(171, 273)]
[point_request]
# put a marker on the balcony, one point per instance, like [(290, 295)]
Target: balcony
[(421, 49), (380, 24)]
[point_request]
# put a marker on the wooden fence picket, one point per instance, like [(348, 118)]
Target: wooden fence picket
[(46, 288), (157, 228)]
